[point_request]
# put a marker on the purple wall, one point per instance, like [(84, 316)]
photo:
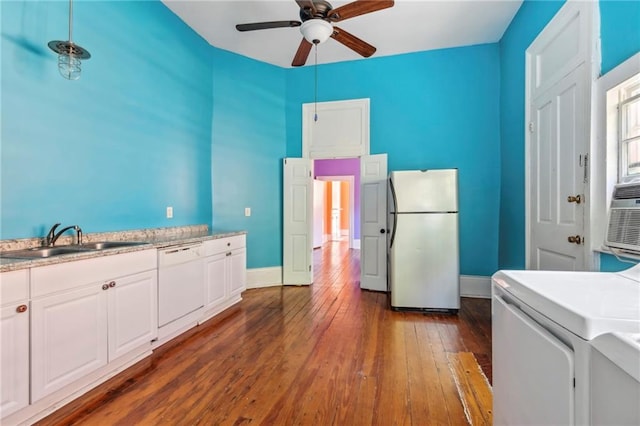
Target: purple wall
[(343, 167)]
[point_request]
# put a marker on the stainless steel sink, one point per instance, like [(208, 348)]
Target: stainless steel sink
[(40, 252), (101, 245), (44, 252)]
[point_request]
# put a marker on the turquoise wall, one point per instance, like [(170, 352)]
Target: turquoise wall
[(112, 150), (620, 39), (620, 31), (161, 118), (525, 26), (436, 109), (247, 151)]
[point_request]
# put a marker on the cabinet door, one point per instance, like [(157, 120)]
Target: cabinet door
[(133, 315), (237, 271), (68, 338), (14, 358), (216, 278)]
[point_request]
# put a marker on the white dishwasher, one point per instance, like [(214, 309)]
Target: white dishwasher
[(180, 282)]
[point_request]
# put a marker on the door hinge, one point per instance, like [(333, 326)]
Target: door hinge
[(585, 178), (309, 268), (531, 127), (309, 173)]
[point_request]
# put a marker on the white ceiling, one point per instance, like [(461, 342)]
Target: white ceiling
[(409, 26)]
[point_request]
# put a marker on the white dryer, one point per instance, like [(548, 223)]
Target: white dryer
[(615, 379), (542, 326)]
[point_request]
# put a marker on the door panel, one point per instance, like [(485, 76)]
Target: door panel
[(558, 146), (297, 268), (373, 208), (68, 338)]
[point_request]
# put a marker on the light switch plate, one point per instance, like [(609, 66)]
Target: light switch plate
[(169, 212), (247, 211)]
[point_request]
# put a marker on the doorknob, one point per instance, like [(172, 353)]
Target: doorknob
[(577, 239), (382, 231), (577, 199)]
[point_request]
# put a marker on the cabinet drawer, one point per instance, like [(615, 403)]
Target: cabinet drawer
[(221, 245), (14, 286), (65, 276)]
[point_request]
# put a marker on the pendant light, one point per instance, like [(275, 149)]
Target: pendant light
[(69, 53)]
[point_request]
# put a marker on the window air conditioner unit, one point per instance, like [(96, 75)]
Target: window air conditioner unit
[(624, 217)]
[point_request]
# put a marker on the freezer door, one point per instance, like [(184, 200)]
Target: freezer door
[(424, 191), (424, 261)]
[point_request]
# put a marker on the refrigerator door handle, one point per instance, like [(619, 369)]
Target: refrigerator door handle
[(393, 213)]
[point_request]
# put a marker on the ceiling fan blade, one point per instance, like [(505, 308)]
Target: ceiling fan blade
[(267, 25), (352, 42), (357, 8), (307, 4), (302, 53)]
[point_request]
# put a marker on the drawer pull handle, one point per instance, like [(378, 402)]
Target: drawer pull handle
[(229, 244), (105, 286), (22, 308), (228, 254), (112, 284)]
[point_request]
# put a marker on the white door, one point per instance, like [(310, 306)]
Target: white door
[(68, 338), (373, 222), (558, 141), (14, 358), (133, 316), (558, 146), (297, 268)]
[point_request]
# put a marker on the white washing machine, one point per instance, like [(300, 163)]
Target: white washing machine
[(542, 325), (615, 379)]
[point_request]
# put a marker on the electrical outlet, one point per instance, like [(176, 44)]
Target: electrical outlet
[(169, 212), (247, 211)]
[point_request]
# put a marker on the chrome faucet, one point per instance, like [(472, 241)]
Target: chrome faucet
[(52, 236)]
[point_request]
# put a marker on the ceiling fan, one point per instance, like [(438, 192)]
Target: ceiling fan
[(317, 18)]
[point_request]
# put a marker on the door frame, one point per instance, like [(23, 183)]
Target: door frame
[(590, 57), (351, 181)]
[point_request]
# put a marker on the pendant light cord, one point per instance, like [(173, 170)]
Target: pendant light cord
[(70, 20), (315, 98)]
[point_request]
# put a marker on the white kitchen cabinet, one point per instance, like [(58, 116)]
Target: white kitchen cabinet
[(132, 312), (237, 262), (216, 279), (68, 338), (81, 319), (14, 341), (225, 272)]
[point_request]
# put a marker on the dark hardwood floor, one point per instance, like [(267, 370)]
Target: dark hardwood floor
[(326, 354)]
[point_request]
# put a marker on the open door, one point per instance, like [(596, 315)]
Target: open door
[(373, 223), (297, 267)]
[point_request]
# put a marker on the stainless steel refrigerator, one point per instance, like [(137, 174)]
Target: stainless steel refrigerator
[(423, 248)]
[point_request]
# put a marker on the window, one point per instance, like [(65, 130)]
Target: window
[(629, 130)]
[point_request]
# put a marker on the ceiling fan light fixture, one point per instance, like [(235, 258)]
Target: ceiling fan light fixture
[(316, 31)]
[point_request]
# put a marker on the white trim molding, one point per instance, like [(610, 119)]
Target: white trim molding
[(264, 277), (356, 243), (475, 286)]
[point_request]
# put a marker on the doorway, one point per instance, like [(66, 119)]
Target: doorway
[(341, 206), (333, 210)]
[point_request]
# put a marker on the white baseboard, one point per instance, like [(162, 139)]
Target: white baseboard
[(264, 277), (475, 286), (356, 244)]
